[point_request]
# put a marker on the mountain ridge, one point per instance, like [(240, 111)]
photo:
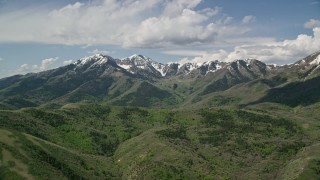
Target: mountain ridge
[(137, 62), (101, 78)]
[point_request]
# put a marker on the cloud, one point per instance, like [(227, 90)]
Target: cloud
[(97, 51), (271, 51), (208, 56), (312, 23), (1, 59), (128, 23), (184, 52), (23, 68), (67, 62), (45, 65), (314, 3), (248, 19), (187, 28)]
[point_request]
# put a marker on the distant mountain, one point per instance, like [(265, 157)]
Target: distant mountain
[(301, 85), (236, 72), (305, 68), (192, 70), (94, 79), (140, 81), (142, 65)]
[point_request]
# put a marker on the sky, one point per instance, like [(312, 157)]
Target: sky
[(37, 35)]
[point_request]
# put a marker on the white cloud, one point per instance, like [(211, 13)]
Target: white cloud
[(184, 52), (67, 62), (208, 56), (1, 59), (174, 7), (211, 11), (248, 19), (97, 51), (45, 65), (312, 23), (188, 28), (128, 23), (270, 51), (23, 68)]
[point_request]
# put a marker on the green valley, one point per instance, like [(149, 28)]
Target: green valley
[(92, 141)]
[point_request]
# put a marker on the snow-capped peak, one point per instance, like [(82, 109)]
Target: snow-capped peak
[(212, 66), (137, 60), (142, 65), (210, 62), (141, 62), (97, 59), (139, 57), (250, 60)]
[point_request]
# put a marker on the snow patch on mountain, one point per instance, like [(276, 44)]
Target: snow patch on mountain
[(95, 60), (141, 62), (316, 61), (142, 65), (192, 66), (124, 66), (160, 68)]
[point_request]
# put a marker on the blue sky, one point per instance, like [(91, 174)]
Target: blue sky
[(37, 35)]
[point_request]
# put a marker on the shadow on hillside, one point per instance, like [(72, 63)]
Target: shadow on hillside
[(294, 94)]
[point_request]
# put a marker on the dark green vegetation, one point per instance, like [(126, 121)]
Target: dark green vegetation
[(92, 141), (296, 93)]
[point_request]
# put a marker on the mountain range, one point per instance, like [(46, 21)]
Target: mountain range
[(141, 81), (135, 118)]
